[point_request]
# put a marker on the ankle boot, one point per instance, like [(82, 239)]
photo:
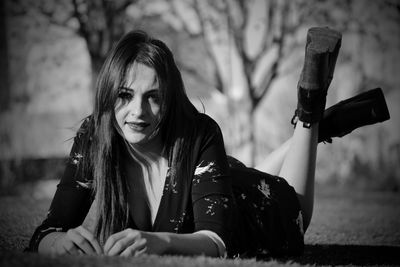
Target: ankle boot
[(322, 48), (363, 109)]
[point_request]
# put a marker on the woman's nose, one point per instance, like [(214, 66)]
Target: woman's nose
[(136, 106)]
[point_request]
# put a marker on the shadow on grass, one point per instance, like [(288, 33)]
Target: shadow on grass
[(350, 255)]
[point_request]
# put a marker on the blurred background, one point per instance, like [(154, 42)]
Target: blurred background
[(240, 61)]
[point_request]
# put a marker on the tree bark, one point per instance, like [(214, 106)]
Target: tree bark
[(252, 138)]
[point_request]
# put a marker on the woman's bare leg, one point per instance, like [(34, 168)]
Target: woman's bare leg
[(295, 161), (298, 167), (272, 164)]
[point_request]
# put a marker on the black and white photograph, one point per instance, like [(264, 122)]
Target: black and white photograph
[(199, 133)]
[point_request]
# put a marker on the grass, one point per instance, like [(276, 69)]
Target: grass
[(349, 227)]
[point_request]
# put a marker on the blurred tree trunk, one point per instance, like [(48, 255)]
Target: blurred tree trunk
[(4, 79), (245, 41), (101, 24)]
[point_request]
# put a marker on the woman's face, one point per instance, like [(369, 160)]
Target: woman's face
[(137, 108)]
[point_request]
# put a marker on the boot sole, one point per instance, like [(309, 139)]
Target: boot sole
[(322, 48), (370, 104)]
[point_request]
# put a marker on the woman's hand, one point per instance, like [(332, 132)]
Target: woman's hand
[(130, 242), (76, 241)]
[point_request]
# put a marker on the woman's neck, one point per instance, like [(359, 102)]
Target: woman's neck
[(148, 154)]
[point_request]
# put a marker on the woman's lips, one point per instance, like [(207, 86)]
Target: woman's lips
[(138, 126)]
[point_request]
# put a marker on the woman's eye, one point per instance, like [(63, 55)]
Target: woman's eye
[(125, 95), (154, 98)]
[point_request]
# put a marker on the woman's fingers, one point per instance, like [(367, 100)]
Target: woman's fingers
[(121, 245), (68, 247), (80, 242), (142, 251), (63, 245), (136, 249), (113, 239), (75, 241), (119, 242), (89, 237)]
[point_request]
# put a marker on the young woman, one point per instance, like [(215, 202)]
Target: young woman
[(160, 175)]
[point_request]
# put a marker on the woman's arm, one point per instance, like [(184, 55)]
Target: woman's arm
[(132, 242), (71, 201), (75, 241), (197, 243), (212, 196)]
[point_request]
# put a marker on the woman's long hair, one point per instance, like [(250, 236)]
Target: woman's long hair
[(176, 125)]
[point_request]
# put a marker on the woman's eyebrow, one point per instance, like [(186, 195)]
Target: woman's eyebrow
[(151, 91), (154, 90), (125, 88)]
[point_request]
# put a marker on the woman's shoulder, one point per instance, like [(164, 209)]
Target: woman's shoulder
[(85, 126), (83, 135), (207, 129), (205, 121)]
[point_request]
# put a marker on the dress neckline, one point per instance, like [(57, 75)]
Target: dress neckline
[(162, 203), (145, 192)]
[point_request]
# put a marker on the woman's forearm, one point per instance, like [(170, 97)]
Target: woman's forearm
[(196, 243), (190, 244)]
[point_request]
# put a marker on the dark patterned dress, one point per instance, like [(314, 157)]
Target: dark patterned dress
[(254, 213)]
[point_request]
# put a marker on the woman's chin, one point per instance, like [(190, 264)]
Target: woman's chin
[(136, 138), (142, 140)]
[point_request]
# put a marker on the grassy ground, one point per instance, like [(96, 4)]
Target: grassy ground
[(349, 227)]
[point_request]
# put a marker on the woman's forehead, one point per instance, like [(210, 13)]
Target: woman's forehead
[(139, 73)]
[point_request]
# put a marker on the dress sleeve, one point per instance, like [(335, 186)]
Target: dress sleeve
[(211, 186), (73, 196)]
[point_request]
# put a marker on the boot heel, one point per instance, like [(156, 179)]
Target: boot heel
[(322, 48), (363, 109)]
